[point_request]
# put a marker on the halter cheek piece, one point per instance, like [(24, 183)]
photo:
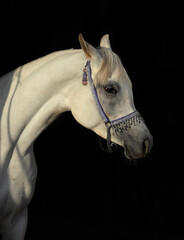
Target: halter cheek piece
[(118, 125)]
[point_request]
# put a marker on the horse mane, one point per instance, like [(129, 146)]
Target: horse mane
[(111, 62)]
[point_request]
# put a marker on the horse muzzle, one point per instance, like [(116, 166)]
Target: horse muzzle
[(138, 149)]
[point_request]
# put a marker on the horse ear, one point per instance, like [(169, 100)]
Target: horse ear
[(104, 42), (89, 50)]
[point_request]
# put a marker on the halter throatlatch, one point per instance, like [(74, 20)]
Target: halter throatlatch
[(118, 125)]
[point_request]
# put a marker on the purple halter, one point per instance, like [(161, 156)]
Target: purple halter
[(118, 125)]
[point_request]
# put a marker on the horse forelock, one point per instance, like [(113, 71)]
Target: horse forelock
[(111, 62)]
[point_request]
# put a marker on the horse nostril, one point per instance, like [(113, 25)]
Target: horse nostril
[(145, 145)]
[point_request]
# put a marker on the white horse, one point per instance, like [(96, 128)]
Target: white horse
[(33, 95)]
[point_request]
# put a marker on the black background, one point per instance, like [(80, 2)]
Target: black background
[(82, 191)]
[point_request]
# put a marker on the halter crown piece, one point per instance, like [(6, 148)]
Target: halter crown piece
[(118, 125)]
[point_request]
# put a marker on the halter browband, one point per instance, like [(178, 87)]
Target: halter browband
[(119, 125)]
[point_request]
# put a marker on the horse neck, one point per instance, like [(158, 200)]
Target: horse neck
[(38, 93)]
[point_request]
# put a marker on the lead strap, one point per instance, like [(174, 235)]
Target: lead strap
[(108, 126)]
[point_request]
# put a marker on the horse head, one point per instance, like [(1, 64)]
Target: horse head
[(111, 95)]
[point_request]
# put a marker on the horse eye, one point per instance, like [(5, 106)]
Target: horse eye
[(110, 90)]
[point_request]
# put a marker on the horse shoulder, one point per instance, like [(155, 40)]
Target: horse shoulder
[(18, 183)]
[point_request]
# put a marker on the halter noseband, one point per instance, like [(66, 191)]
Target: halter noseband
[(118, 125)]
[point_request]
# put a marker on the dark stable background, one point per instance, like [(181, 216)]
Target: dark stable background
[(82, 191)]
